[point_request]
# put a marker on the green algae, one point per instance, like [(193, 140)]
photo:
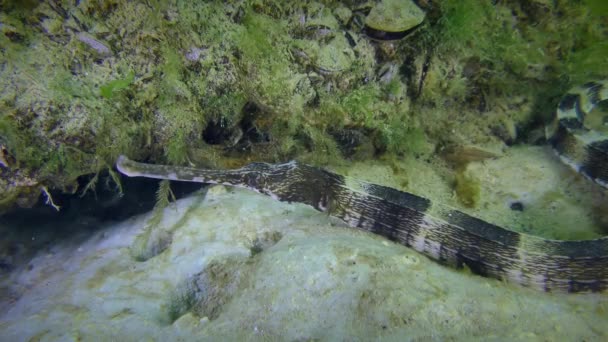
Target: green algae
[(265, 67), (107, 90), (534, 49), (181, 68)]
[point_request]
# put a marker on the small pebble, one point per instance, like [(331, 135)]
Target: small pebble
[(95, 44)]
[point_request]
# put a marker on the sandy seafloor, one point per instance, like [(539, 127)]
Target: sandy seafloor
[(257, 269)]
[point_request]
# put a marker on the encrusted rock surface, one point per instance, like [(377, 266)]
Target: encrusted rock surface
[(241, 266)]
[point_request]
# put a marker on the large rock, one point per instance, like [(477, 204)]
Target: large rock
[(236, 265)]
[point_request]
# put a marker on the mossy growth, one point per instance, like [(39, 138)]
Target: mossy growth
[(54, 121), (181, 117), (108, 89), (484, 55), (560, 42), (266, 75), (368, 107), (597, 7), (467, 188), (582, 42), (324, 149), (156, 99)]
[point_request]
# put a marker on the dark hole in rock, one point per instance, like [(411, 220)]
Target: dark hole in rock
[(386, 35), (14, 36), (217, 132), (353, 142), (517, 206), (239, 136), (251, 133)]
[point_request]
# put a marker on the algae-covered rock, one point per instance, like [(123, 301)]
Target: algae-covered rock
[(83, 82), (17, 190), (390, 17), (335, 57)]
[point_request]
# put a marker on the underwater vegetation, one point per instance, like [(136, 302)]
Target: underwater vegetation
[(107, 90), (220, 84)]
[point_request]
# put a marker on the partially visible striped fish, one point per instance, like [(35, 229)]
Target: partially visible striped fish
[(438, 231)]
